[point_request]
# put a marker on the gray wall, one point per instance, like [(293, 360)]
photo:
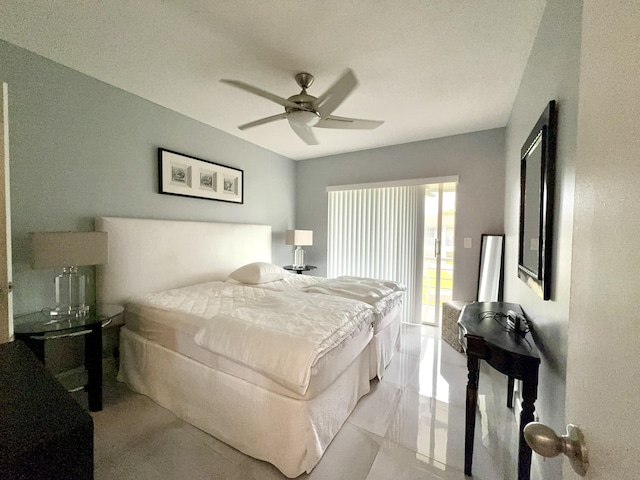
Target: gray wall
[(80, 148), (478, 159), (552, 73)]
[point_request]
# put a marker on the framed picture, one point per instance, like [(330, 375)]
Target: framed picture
[(180, 174)]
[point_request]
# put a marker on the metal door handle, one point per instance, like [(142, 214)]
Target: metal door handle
[(544, 441)]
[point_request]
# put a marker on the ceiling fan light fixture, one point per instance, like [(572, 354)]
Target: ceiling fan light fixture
[(303, 117)]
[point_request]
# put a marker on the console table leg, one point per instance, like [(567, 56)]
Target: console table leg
[(473, 365), (529, 394)]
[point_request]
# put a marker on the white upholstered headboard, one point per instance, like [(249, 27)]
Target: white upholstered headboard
[(152, 255)]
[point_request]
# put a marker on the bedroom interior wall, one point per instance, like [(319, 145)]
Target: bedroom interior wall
[(478, 159), (552, 72), (80, 148)]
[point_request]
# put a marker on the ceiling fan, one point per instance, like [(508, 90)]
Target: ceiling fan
[(304, 111)]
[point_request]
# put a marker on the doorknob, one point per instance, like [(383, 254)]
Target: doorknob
[(544, 441)]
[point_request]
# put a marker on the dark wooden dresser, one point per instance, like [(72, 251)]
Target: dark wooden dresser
[(44, 433)]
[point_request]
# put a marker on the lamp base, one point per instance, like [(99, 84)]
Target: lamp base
[(298, 258), (70, 294)]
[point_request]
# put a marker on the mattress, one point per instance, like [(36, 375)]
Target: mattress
[(172, 319), (381, 306)]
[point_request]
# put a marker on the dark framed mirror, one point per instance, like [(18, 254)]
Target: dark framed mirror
[(537, 184), (491, 271)]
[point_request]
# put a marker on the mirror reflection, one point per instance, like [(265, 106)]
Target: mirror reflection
[(531, 217), (490, 277)]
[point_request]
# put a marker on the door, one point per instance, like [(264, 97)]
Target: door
[(6, 310), (439, 235), (603, 377)]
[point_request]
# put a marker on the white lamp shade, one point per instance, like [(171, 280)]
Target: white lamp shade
[(68, 249), (301, 238)]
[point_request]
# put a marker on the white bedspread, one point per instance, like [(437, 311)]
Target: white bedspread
[(284, 334), (366, 290), (382, 295)]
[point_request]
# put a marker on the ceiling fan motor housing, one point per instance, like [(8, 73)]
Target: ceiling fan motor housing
[(306, 115)]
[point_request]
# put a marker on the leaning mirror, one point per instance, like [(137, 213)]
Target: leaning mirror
[(537, 171), (491, 271)]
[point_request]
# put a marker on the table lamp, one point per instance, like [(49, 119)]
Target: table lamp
[(299, 238), (68, 250)]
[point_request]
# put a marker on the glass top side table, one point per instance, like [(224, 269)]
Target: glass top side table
[(298, 269), (36, 328), (42, 324)]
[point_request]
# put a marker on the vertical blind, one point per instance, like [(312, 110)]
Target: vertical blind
[(378, 233)]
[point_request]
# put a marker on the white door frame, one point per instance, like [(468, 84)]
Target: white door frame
[(6, 296)]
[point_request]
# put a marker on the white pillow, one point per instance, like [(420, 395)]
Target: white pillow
[(258, 272)]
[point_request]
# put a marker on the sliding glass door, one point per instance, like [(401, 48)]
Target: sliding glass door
[(377, 233), (395, 231), (439, 235)]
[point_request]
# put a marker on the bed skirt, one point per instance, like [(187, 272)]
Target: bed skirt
[(384, 344), (288, 433)]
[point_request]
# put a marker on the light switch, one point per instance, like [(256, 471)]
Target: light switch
[(467, 242)]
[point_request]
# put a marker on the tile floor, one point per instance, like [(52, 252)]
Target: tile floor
[(410, 426)]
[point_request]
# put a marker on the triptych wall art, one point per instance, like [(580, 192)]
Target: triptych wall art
[(188, 176)]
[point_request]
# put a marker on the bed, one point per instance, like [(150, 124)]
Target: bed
[(177, 272), (385, 297)]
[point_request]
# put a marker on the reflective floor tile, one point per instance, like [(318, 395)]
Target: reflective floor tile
[(401, 369), (375, 411), (348, 457), (430, 428), (396, 462)]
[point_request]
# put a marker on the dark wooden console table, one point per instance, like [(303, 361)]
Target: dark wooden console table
[(485, 336)]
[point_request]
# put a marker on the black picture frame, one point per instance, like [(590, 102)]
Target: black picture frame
[(537, 186), (187, 176)]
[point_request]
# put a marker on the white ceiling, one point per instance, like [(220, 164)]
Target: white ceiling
[(427, 68)]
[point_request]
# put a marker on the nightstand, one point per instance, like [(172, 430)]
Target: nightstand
[(34, 329), (299, 270)]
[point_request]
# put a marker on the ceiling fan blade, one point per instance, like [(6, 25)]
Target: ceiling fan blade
[(261, 93), (262, 121), (348, 123), (304, 133), (326, 103)]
